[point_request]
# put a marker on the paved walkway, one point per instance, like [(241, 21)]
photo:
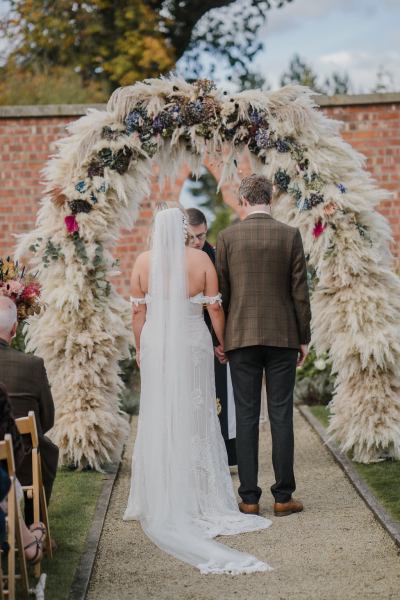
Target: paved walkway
[(334, 550)]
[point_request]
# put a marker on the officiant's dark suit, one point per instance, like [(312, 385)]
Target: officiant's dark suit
[(25, 379), (263, 281)]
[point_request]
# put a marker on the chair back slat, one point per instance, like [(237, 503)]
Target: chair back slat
[(35, 490), (27, 426), (14, 533), (7, 454)]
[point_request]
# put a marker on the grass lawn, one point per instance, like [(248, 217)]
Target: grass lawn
[(383, 478), (71, 511)]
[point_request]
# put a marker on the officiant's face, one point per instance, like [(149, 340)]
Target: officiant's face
[(198, 236)]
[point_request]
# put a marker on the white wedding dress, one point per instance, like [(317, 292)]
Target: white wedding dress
[(181, 489)]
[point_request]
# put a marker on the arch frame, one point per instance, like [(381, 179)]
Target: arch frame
[(94, 186)]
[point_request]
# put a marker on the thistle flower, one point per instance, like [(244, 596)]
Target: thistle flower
[(80, 186)]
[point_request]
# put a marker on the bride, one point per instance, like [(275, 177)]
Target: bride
[(181, 489)]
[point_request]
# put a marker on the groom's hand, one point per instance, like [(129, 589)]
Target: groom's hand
[(303, 352)]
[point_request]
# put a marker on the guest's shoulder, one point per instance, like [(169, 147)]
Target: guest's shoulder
[(30, 360)]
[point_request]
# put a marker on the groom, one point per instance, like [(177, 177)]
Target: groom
[(263, 281)]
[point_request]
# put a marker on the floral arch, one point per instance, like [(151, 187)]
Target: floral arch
[(95, 185)]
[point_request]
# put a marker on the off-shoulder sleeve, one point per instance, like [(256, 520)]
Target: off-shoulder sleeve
[(212, 299), (137, 301)]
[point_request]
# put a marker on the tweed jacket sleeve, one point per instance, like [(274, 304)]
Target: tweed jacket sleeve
[(299, 290), (222, 266), (46, 400)]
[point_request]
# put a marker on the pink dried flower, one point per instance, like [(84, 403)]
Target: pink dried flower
[(71, 224), (319, 229), (32, 290), (12, 289)]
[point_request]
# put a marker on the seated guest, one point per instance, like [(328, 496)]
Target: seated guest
[(25, 379), (33, 538)]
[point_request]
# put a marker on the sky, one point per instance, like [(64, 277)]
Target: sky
[(358, 37), (354, 36)]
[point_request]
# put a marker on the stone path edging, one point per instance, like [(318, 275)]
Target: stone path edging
[(84, 569), (380, 513)]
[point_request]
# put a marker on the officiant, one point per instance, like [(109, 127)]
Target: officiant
[(223, 383)]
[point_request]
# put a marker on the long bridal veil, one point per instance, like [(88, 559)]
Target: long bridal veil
[(181, 491)]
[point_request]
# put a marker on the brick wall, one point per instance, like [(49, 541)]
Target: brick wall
[(371, 125), (373, 128)]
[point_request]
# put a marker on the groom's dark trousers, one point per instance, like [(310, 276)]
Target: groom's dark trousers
[(247, 367), (263, 280)]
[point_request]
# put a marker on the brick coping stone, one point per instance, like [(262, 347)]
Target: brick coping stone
[(65, 110)]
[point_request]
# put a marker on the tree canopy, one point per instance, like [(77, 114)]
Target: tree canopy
[(302, 73), (117, 43)]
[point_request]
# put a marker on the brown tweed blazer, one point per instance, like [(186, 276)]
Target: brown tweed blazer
[(263, 280)]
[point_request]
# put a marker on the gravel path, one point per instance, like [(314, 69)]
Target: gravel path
[(334, 550)]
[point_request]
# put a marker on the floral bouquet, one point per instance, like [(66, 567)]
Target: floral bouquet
[(24, 290)]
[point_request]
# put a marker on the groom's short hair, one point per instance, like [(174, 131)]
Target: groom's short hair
[(257, 189), (196, 217)]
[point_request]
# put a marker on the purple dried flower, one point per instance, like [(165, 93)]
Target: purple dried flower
[(256, 118), (136, 119), (158, 124), (263, 138), (282, 145)]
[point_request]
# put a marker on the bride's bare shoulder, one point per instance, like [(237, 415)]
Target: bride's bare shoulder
[(143, 257), (142, 261), (196, 255)]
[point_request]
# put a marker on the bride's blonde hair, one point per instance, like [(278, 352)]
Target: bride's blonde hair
[(162, 205)]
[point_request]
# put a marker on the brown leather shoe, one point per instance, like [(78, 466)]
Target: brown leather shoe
[(249, 509), (282, 509)]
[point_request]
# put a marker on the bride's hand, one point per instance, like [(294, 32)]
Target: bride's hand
[(220, 354), (138, 358)]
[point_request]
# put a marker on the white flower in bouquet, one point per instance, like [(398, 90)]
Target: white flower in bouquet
[(320, 364)]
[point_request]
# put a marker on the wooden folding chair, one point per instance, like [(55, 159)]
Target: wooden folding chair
[(35, 491), (14, 534), (1, 578)]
